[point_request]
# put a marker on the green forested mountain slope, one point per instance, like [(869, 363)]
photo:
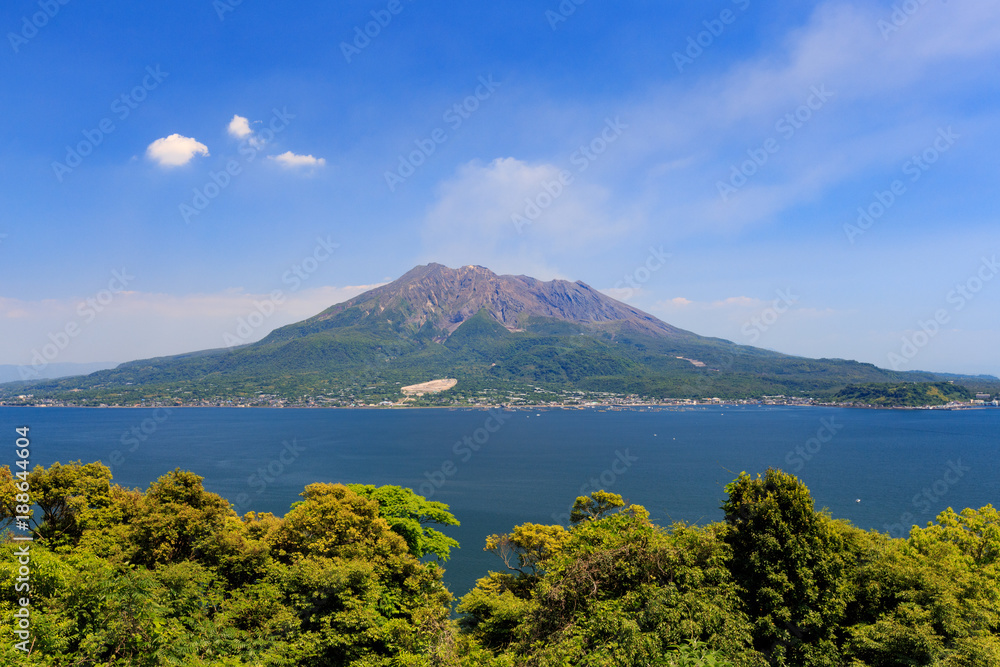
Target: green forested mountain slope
[(495, 334)]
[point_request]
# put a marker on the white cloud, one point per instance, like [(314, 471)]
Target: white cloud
[(239, 127), (473, 217), (290, 160), (175, 150)]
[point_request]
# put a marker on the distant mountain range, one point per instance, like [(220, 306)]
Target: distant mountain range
[(502, 337), (12, 373)]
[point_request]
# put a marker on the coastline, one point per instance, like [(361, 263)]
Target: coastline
[(600, 407)]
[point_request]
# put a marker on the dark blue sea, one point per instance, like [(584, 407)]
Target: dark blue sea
[(499, 469)]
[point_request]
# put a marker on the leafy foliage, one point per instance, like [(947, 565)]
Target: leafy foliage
[(594, 506), (792, 568), (908, 394), (172, 576), (407, 514), (181, 579)]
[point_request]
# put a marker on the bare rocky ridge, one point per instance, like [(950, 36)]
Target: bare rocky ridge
[(446, 297)]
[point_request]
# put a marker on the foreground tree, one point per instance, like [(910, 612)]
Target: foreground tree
[(612, 590), (790, 563), (408, 515), (172, 576), (933, 599), (822, 592), (183, 580)]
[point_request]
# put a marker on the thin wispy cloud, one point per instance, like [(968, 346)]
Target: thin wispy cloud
[(718, 122), (144, 324), (290, 160), (516, 216)]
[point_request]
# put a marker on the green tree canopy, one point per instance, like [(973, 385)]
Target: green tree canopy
[(408, 515), (614, 589), (172, 576), (790, 563)]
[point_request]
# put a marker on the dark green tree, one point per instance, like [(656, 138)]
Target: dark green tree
[(789, 560)]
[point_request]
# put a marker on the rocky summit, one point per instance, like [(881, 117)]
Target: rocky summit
[(494, 338), (444, 298)]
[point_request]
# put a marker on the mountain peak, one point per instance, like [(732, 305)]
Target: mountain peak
[(439, 322), (436, 295)]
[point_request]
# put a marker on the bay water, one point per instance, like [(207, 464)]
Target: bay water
[(881, 469)]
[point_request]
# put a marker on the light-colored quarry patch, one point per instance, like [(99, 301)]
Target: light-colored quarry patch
[(432, 387), (695, 362)]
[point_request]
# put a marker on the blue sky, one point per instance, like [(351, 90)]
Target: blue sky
[(169, 170)]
